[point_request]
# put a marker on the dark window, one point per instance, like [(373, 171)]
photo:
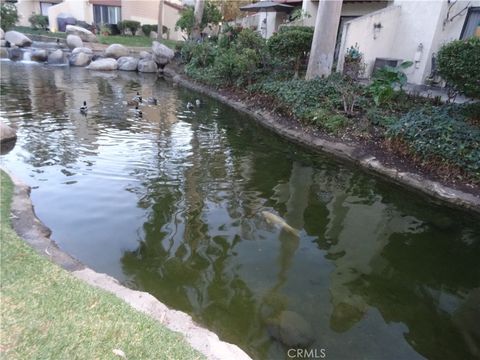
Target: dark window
[(103, 14), (471, 27)]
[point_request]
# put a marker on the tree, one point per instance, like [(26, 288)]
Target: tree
[(211, 14), (8, 16), (197, 19), (160, 21)]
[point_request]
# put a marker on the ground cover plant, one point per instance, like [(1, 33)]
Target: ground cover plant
[(47, 312)]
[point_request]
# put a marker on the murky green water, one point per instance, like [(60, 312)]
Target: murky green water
[(173, 203)]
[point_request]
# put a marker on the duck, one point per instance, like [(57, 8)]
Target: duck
[(190, 106), (138, 112), (198, 102), (84, 108), (152, 101), (137, 98)]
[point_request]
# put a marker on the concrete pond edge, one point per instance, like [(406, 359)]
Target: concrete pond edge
[(432, 190), (37, 235)]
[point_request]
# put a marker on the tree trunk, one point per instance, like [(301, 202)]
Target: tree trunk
[(198, 14), (160, 21), (324, 38)]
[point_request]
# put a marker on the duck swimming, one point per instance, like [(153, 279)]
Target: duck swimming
[(84, 108), (190, 106), (137, 98), (138, 112)]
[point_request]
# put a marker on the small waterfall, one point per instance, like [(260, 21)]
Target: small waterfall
[(27, 56)]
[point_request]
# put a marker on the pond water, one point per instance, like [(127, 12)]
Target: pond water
[(178, 203)]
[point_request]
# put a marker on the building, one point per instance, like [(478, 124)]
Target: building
[(104, 12)]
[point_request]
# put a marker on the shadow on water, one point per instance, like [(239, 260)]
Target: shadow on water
[(265, 243)]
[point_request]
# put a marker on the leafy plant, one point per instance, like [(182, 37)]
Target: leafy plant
[(299, 13), (8, 15), (353, 62), (293, 44), (436, 133), (38, 21), (131, 25), (459, 64), (386, 79), (211, 15)]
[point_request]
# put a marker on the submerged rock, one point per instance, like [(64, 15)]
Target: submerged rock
[(116, 51), (17, 38), (147, 66), (103, 65), (127, 63), (7, 133), (15, 54), (74, 41), (3, 53), (39, 55), (290, 329), (56, 57), (84, 34)]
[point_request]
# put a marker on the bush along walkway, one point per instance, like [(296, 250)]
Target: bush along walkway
[(408, 133), (48, 313)]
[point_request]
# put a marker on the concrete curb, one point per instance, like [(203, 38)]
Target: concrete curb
[(37, 235), (433, 190)]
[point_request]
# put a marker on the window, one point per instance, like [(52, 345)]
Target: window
[(471, 27), (103, 14)]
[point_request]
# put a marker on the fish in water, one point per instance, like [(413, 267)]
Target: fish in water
[(277, 220)]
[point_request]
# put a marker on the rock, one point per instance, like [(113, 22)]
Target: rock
[(290, 329), (116, 51), (39, 55), (97, 57), (3, 43), (15, 54), (74, 41), (103, 65), (127, 63), (83, 50), (2, 34), (17, 38), (84, 34), (80, 59), (153, 34), (161, 53), (56, 57), (6, 133), (145, 55), (3, 53), (147, 66)]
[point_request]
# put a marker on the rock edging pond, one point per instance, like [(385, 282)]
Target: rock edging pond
[(434, 190), (37, 235)]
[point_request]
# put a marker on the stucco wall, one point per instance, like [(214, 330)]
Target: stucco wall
[(25, 9), (79, 9), (146, 11), (410, 30)]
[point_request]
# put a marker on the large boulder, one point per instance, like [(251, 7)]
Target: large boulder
[(103, 65), (161, 53), (17, 38), (116, 51), (291, 329), (81, 56), (56, 57), (6, 133), (84, 34), (145, 55), (127, 63), (147, 66), (3, 43), (39, 55), (74, 41)]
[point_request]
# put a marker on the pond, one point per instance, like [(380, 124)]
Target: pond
[(258, 239)]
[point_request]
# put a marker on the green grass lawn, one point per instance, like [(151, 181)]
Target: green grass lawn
[(29, 30), (133, 41), (46, 313)]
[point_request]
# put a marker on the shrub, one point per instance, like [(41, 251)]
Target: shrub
[(293, 44), (434, 133), (38, 21), (328, 120), (8, 16), (131, 25), (459, 64), (353, 62), (386, 79), (203, 54), (147, 29), (211, 14)]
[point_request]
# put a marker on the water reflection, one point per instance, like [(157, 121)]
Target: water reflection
[(171, 203)]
